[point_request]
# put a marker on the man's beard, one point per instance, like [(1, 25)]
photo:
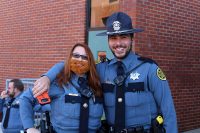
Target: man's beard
[(126, 54), (11, 94)]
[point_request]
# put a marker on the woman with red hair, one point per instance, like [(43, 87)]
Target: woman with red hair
[(76, 94)]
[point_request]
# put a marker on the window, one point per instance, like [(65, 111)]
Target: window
[(28, 82), (100, 10)]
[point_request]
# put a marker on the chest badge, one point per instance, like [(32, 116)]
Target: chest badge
[(17, 102), (134, 76)]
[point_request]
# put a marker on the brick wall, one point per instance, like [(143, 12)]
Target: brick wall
[(172, 38), (36, 34)]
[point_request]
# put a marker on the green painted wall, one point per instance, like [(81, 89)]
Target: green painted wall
[(99, 43)]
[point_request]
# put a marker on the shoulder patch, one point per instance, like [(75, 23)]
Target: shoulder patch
[(160, 74)]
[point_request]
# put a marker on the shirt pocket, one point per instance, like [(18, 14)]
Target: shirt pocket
[(138, 109), (109, 96), (135, 94), (96, 112), (96, 108), (65, 113), (15, 121)]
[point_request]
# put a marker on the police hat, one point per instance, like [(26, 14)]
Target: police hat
[(119, 23)]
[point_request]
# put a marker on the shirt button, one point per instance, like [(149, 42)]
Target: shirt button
[(119, 100), (85, 105)]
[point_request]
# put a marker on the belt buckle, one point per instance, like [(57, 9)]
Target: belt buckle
[(111, 129), (139, 129), (124, 130)]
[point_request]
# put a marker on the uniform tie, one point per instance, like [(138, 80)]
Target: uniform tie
[(84, 110), (6, 119), (120, 101)]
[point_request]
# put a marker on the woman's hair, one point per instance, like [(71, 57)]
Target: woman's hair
[(93, 79)]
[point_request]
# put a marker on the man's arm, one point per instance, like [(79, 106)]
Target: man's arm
[(42, 84), (161, 91)]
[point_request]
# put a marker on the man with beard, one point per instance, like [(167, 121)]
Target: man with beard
[(9, 105), (137, 97)]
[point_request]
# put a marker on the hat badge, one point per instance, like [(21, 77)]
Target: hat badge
[(116, 25)]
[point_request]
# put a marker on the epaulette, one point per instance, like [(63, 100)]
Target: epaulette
[(108, 60), (146, 59)]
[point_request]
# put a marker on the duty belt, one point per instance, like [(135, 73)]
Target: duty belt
[(139, 129)]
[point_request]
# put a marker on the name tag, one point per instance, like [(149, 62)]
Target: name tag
[(72, 94)]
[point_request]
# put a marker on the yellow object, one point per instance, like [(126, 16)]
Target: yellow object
[(159, 119), (160, 74)]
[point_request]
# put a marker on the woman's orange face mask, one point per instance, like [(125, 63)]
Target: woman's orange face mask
[(79, 66)]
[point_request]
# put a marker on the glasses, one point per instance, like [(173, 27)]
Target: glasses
[(76, 55)]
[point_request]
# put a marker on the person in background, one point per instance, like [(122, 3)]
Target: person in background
[(137, 95), (29, 107), (76, 94), (9, 104)]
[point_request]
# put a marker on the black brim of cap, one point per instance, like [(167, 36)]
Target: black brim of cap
[(105, 33)]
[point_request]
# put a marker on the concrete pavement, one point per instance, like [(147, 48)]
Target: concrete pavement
[(193, 131)]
